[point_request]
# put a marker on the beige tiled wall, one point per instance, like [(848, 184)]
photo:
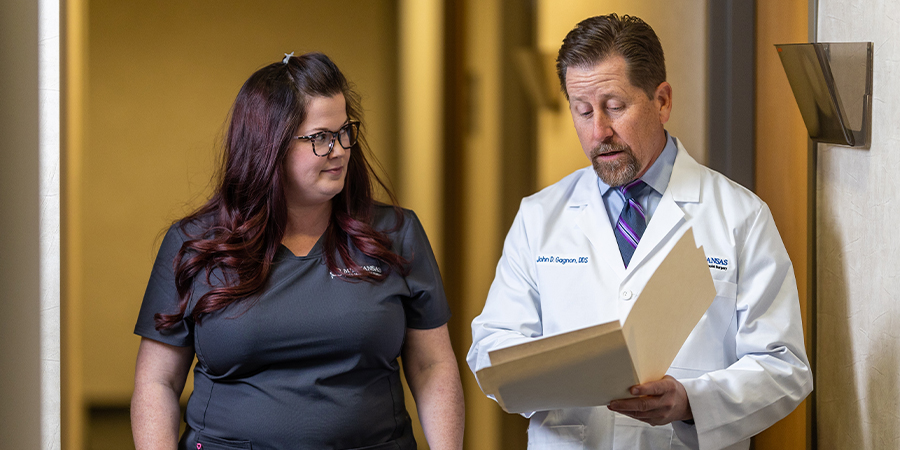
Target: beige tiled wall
[(858, 247)]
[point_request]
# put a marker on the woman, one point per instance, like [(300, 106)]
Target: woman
[(296, 291)]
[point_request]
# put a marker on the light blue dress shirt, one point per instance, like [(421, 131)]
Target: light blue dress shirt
[(657, 177)]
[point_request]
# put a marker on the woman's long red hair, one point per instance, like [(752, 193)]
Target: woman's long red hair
[(239, 230)]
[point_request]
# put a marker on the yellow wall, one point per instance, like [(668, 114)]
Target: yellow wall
[(419, 141), (682, 29), (781, 167), (420, 138), (481, 168), (73, 111)]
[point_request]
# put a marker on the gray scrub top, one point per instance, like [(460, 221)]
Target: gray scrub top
[(312, 363)]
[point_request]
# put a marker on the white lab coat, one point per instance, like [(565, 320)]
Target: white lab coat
[(744, 366)]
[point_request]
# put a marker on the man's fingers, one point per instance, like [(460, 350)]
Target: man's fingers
[(660, 402), (660, 387), (635, 404)]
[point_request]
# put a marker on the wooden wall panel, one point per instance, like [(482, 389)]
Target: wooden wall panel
[(782, 174)]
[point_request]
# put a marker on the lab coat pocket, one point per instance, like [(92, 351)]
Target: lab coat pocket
[(574, 295), (556, 437), (721, 314), (709, 347), (634, 434), (206, 442)]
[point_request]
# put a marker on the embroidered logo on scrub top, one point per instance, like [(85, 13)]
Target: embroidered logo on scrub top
[(562, 260), (717, 263), (367, 268)]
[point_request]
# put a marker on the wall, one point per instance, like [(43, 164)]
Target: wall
[(20, 338), (480, 170), (682, 29), (858, 251), (489, 165), (49, 81), (418, 141), (782, 163), (419, 171)]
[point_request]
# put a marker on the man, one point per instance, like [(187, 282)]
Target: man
[(744, 366)]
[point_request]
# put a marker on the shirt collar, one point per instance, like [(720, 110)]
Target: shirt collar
[(659, 173)]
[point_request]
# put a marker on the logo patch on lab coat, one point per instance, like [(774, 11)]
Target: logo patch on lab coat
[(561, 260), (717, 263)]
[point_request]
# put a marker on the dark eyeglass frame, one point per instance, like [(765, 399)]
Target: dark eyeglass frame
[(335, 136)]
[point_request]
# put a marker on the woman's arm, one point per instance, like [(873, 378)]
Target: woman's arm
[(433, 377), (159, 378)]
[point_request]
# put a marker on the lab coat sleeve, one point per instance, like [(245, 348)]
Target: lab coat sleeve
[(512, 312), (771, 376)]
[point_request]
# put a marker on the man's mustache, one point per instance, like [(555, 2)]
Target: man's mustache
[(609, 148)]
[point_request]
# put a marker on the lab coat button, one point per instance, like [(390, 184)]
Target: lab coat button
[(626, 295)]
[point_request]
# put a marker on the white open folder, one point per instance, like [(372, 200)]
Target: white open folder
[(595, 365)]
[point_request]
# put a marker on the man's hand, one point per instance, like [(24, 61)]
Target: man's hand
[(660, 402)]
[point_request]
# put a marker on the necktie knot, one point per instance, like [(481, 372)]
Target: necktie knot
[(632, 190)]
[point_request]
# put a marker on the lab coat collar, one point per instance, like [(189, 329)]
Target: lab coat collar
[(686, 177), (684, 187), (591, 219)]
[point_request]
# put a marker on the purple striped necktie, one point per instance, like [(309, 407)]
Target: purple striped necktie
[(632, 221)]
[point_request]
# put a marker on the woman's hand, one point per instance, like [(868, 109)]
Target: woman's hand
[(159, 378), (433, 377)]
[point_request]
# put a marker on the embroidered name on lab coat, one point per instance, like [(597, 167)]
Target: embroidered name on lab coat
[(563, 260)]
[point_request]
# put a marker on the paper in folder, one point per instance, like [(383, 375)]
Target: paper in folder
[(595, 365)]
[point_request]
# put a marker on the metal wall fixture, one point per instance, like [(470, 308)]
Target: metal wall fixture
[(832, 83)]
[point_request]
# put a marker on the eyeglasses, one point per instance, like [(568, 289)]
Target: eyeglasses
[(346, 136)]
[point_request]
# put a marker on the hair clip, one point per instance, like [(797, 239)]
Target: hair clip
[(287, 57)]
